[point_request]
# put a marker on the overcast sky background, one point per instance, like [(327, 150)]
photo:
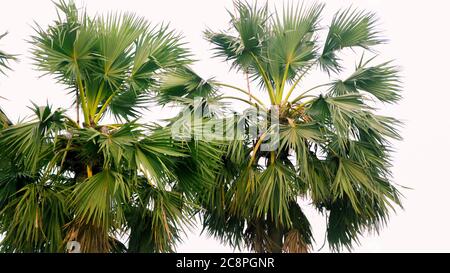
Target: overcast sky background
[(418, 41)]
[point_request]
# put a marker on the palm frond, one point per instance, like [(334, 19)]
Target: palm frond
[(381, 81), (92, 202), (249, 23), (5, 58), (299, 238), (349, 28), (183, 83), (36, 215), (107, 60), (29, 142), (291, 45), (276, 187), (4, 120)]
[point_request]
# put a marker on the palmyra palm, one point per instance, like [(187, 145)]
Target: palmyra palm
[(95, 183), (334, 150)]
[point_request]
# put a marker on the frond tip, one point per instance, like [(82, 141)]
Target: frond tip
[(5, 58)]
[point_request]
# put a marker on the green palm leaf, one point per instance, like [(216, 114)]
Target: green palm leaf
[(5, 58), (110, 62), (349, 28), (381, 81)]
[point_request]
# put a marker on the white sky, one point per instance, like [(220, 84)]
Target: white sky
[(419, 42)]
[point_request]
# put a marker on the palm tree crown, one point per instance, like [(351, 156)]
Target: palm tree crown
[(97, 183), (333, 148)]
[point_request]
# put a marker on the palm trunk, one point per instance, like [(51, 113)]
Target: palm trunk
[(258, 244), (276, 239)]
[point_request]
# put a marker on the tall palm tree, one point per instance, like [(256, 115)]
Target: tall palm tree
[(96, 182), (333, 148), (5, 58)]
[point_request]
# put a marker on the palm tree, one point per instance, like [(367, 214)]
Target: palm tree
[(333, 149), (98, 182), (5, 58)]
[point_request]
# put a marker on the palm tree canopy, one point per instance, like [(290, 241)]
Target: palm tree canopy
[(111, 62), (97, 183), (333, 148)]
